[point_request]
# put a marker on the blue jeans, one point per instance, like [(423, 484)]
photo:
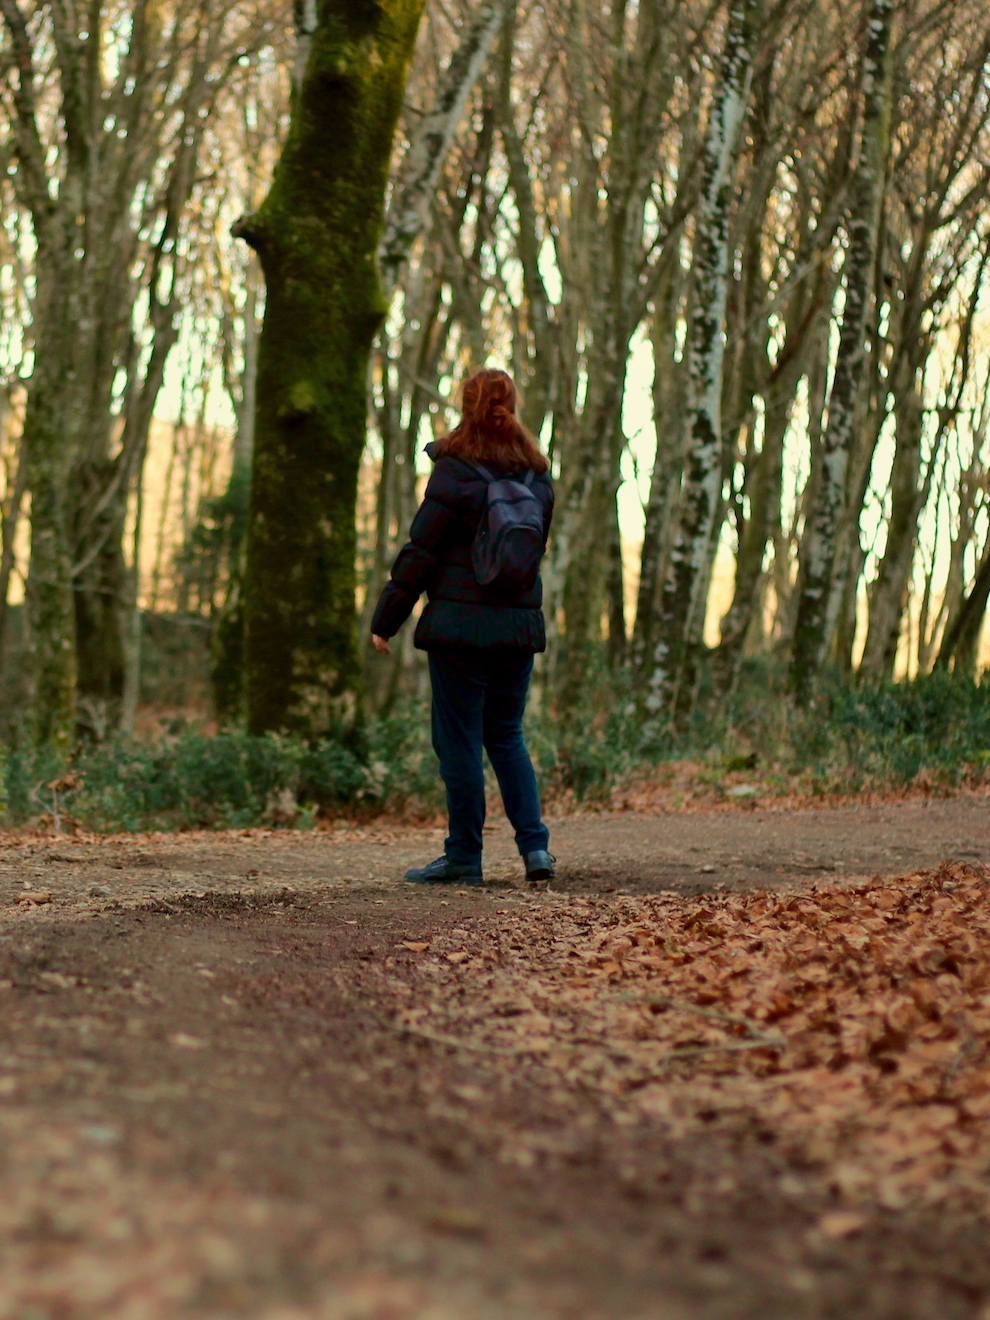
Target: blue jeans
[(478, 702)]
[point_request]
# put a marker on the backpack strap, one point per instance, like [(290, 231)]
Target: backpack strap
[(490, 477)]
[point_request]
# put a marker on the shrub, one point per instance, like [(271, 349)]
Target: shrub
[(848, 738)]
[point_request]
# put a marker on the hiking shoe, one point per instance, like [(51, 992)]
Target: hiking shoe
[(445, 872), (539, 866)]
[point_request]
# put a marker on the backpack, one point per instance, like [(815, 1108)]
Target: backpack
[(508, 546)]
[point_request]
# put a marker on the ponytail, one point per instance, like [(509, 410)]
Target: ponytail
[(489, 430)]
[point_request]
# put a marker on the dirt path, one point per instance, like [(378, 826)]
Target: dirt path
[(688, 853), (209, 1106)]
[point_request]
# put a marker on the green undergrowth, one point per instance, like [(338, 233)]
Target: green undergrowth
[(849, 738), (228, 780), (935, 730)]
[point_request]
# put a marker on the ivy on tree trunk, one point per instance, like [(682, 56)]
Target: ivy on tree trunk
[(317, 235)]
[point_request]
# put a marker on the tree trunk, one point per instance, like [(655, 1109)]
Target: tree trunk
[(960, 645), (842, 619), (105, 206), (616, 596), (669, 399), (763, 483), (420, 169), (227, 658), (539, 351), (847, 595), (8, 533), (425, 328), (100, 598), (910, 485), (672, 661), (586, 519), (49, 660), (317, 235), (907, 498), (816, 607)]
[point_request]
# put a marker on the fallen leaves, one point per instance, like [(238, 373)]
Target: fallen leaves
[(853, 1024), (58, 980), (459, 1220), (181, 1040), (840, 1223)]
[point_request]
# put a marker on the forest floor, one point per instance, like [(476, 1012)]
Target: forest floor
[(728, 1065)]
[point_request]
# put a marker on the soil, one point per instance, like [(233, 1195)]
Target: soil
[(209, 1107)]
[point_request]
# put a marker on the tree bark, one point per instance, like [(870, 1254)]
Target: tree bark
[(601, 307), (960, 645), (910, 482), (804, 309), (227, 658), (616, 596), (428, 145), (121, 171), (671, 680), (540, 351), (816, 589), (9, 520), (669, 403), (317, 235), (908, 496)]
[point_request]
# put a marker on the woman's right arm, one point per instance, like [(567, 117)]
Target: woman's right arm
[(415, 564)]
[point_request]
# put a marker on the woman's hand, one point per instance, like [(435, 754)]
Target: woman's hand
[(381, 645)]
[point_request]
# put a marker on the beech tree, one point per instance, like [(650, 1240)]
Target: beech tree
[(107, 113), (672, 677), (933, 244), (550, 201), (317, 235), (819, 599)]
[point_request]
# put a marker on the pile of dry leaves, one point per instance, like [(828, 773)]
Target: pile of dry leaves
[(852, 1023)]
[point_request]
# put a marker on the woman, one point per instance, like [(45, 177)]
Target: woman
[(481, 639)]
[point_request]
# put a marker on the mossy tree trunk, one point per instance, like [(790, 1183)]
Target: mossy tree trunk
[(317, 235), (49, 668)]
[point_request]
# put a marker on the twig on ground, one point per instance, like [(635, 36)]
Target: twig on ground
[(762, 1042), (480, 1047), (687, 1051), (685, 1006)]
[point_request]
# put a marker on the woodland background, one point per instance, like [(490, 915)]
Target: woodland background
[(736, 256)]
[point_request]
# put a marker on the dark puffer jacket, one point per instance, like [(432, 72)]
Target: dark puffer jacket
[(437, 559)]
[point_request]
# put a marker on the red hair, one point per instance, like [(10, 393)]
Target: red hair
[(489, 430)]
